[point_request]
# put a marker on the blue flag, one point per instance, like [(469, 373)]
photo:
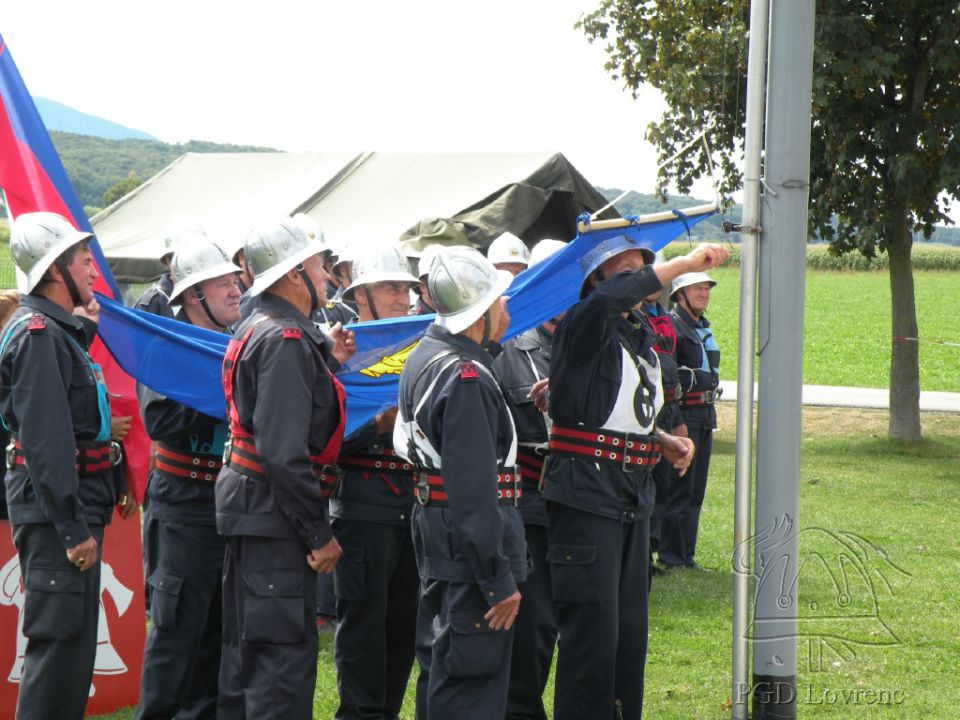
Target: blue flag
[(184, 362)]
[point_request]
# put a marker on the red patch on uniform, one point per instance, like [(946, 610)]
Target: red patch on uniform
[(36, 322), (468, 371), (291, 333)]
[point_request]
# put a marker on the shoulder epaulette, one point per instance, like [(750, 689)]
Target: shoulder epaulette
[(36, 323)]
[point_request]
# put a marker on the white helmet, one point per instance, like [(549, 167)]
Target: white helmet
[(379, 262), (311, 228), (544, 249), (193, 264), (464, 284), (688, 279), (184, 230), (427, 256), (275, 246), (38, 239), (508, 248)]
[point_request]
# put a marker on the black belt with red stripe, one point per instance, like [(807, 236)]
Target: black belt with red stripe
[(93, 458), (429, 490), (382, 465), (672, 393), (530, 464), (187, 465), (628, 451), (704, 397), (243, 457)]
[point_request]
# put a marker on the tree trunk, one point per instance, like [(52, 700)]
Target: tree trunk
[(905, 356)]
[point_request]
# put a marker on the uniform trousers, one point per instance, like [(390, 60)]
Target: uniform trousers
[(61, 612), (600, 570), (377, 589), (681, 519), (268, 665), (181, 658), (464, 665), (534, 634), (663, 475), (151, 543)]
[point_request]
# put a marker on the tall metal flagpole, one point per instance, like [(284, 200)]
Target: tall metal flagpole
[(782, 256), (749, 233)]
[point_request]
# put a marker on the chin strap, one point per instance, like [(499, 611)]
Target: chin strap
[(206, 308), (371, 303), (486, 329), (68, 281), (314, 300)]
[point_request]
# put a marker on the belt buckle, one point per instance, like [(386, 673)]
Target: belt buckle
[(422, 490), (116, 453), (516, 489), (11, 455), (227, 447)]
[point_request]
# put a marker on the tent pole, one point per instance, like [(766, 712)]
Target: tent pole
[(749, 234)]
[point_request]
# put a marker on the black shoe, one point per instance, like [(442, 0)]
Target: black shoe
[(698, 568), (659, 569)]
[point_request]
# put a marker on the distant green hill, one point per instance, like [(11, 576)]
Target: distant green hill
[(63, 118), (95, 164)]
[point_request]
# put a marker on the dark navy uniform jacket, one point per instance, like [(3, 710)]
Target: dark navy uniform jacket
[(186, 431), (285, 398), (524, 360), (465, 420), (698, 359), (156, 300), (585, 377), (48, 398)]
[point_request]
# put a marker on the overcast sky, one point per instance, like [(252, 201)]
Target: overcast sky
[(421, 75)]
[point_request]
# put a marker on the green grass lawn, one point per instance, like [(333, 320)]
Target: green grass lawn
[(847, 327), (899, 642)]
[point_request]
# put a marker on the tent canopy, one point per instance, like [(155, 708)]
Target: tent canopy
[(533, 195)]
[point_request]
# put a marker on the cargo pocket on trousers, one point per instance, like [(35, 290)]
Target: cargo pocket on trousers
[(573, 576), (475, 649), (164, 597), (53, 607), (350, 574), (273, 609)]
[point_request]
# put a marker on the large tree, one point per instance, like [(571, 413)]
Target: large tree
[(885, 152)]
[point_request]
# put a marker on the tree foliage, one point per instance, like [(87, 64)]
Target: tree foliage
[(885, 153), (121, 188)]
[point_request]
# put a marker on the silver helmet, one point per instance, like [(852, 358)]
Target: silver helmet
[(311, 228), (464, 284), (606, 249), (379, 262), (274, 247), (38, 239), (688, 279), (193, 264), (184, 230), (544, 249), (508, 248)]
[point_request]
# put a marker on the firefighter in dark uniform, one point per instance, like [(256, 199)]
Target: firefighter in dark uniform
[(156, 301), (376, 579), (670, 419), (181, 658), (605, 393), (522, 366), (60, 482), (698, 360), (468, 534), (286, 415)]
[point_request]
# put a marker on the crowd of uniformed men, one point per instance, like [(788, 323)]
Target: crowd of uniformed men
[(508, 502)]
